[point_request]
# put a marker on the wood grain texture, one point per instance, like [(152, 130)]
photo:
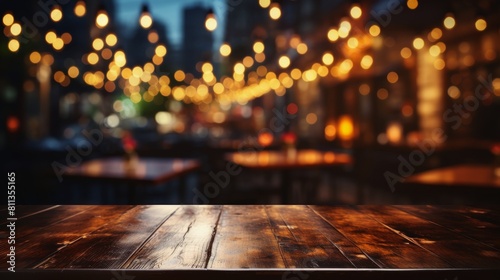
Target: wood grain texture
[(383, 246), (260, 274), (455, 249), (490, 214), (306, 240), (22, 211), (464, 224), (244, 239), (298, 240), (38, 246), (111, 246), (46, 217), (183, 241)]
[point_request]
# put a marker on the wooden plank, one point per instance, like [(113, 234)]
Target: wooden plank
[(455, 249), (386, 248), (24, 211), (252, 274), (481, 217), (244, 239), (239, 237), (306, 240), (37, 221), (114, 243), (491, 214), (481, 231), (182, 242), (34, 248)]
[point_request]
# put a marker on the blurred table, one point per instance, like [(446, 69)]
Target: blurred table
[(288, 162), (480, 176), (254, 242), (282, 160), (146, 171), (467, 181)]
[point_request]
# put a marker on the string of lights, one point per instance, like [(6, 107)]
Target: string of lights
[(251, 78)]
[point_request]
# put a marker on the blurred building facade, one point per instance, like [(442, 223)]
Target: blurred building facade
[(197, 42)]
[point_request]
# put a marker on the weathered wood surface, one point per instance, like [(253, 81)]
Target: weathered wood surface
[(296, 240)]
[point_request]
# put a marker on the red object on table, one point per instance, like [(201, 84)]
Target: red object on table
[(289, 137), (129, 143), (495, 149)]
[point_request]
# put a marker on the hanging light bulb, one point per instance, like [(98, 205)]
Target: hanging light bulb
[(145, 20), (275, 11), (225, 49), (210, 21), (449, 21), (481, 24), (80, 8), (264, 3), (412, 4), (356, 11), (102, 18), (56, 13)]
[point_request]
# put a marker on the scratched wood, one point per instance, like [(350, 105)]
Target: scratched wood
[(463, 223), (380, 244), (175, 239), (491, 214), (183, 241), (244, 239), (22, 211), (111, 246), (45, 218), (455, 249), (306, 240), (38, 246)]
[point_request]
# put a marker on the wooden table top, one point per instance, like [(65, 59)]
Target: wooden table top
[(147, 170), (459, 175), (445, 241), (279, 159)]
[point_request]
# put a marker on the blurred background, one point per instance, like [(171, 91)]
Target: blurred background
[(284, 89)]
